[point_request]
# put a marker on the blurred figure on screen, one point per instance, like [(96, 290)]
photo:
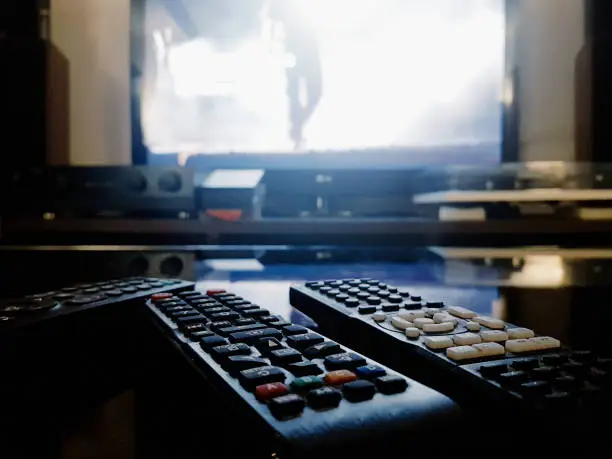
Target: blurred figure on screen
[(304, 79)]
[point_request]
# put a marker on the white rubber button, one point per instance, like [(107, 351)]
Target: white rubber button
[(413, 333), (442, 317), (462, 313), (400, 323), (520, 333), (490, 322), (493, 336), (438, 342), (439, 328), (418, 323), (541, 343), (410, 316), (466, 339), (462, 353), (379, 316), (490, 349), (473, 326)]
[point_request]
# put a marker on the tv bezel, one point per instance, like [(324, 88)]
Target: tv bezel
[(510, 120)]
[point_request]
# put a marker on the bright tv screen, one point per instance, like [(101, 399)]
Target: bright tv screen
[(384, 78)]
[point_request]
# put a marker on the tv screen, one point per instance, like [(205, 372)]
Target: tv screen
[(260, 82)]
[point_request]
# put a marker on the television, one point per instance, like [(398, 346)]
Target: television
[(323, 83)]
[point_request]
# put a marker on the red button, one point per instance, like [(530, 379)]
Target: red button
[(270, 391), (214, 292), (161, 296)]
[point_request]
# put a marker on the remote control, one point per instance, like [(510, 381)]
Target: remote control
[(18, 312), (312, 395), (478, 361)]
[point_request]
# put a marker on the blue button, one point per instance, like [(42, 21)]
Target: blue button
[(370, 371)]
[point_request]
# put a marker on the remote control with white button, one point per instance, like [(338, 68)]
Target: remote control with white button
[(313, 395), (478, 361)]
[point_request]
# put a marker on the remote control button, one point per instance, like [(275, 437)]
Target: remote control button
[(295, 330), (230, 315), (352, 303), (215, 291), (391, 384), (344, 288), (82, 300), (383, 294), (194, 327), (554, 360), (525, 365), (411, 316), (228, 350), (336, 378), (460, 353), (259, 376), (373, 300), (395, 299), (212, 341), (363, 287), (354, 282), (333, 292), (582, 356), (237, 363), (199, 335), (442, 317), (315, 285), (520, 333), (534, 389), (541, 343), (467, 339), (473, 326), (413, 297), (322, 350), (513, 379), (255, 312), (439, 328), (363, 295), (268, 345), (490, 322), (342, 297), (301, 342), (438, 342), (390, 307), (158, 296), (285, 356), (603, 363), (241, 322), (306, 383), (419, 323), (400, 323), (544, 373), (304, 368), (267, 392), (359, 391), (143, 287), (244, 306), (373, 290), (216, 326), (251, 336), (412, 333), (493, 371), (379, 316), (324, 290), (345, 361), (324, 398), (370, 371), (354, 291), (367, 310), (184, 312), (280, 324), (460, 312), (493, 336), (412, 306), (287, 406), (574, 368), (237, 302), (209, 312), (113, 292), (240, 328), (91, 290), (490, 349)]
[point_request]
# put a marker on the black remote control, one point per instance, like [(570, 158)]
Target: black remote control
[(481, 362), (312, 395), (33, 309)]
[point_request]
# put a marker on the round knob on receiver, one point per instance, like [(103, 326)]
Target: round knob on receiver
[(170, 182), (136, 182)]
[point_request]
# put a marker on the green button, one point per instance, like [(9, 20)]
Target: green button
[(306, 383)]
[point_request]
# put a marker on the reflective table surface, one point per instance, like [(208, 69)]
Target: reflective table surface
[(558, 292)]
